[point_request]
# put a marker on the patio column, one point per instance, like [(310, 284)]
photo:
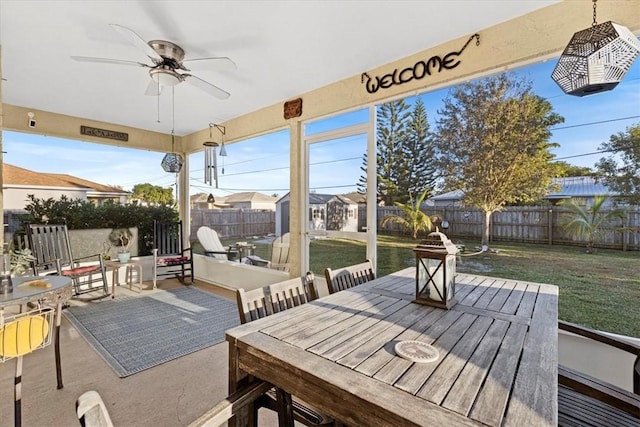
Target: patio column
[(296, 202)]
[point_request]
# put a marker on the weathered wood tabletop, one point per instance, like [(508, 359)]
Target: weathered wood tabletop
[(497, 347)]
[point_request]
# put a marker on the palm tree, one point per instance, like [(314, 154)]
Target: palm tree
[(412, 218), (588, 221)]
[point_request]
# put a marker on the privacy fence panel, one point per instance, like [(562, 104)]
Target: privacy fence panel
[(234, 223), (530, 224)]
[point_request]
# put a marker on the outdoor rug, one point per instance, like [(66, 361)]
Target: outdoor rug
[(136, 333)]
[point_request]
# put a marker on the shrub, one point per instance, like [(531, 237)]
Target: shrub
[(80, 214)]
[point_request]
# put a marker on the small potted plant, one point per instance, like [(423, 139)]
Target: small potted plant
[(121, 237)]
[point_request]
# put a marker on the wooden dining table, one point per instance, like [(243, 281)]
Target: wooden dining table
[(497, 354)]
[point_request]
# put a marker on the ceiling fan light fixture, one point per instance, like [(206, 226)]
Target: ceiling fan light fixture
[(165, 77)]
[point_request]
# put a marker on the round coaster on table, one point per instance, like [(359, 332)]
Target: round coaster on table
[(416, 351)]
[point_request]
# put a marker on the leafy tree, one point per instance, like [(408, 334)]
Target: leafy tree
[(152, 194), (562, 169), (492, 138), (412, 218), (621, 171), (587, 222)]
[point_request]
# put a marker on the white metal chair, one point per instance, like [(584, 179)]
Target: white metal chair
[(21, 334)]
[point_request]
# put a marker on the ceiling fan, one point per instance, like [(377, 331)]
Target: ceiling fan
[(168, 59)]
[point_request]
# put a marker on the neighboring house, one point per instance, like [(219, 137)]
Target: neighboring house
[(326, 212), (244, 200), (17, 183), (580, 188), (250, 200)]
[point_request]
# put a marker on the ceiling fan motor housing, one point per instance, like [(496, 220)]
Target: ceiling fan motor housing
[(169, 51)]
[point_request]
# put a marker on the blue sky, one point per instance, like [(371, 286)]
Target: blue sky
[(261, 164)]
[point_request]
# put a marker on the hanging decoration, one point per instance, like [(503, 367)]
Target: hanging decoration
[(210, 158), (172, 162), (596, 59)]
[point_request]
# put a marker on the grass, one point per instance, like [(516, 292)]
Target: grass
[(600, 290)]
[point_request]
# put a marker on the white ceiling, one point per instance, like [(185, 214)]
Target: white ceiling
[(282, 49)]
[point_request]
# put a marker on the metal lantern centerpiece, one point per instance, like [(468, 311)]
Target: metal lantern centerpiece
[(596, 59), (436, 271)]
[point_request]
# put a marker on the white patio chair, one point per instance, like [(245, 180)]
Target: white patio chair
[(279, 255), (212, 245)]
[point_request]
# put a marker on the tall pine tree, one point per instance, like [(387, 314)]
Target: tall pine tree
[(405, 156)]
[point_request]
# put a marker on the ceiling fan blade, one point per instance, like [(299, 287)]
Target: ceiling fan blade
[(153, 88), (137, 41), (108, 61), (206, 86), (221, 63)]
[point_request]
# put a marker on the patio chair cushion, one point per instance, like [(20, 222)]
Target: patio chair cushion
[(174, 260), (80, 270)]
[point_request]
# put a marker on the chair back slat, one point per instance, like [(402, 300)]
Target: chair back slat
[(288, 294), (277, 297), (49, 243), (253, 305), (348, 277), (167, 237)]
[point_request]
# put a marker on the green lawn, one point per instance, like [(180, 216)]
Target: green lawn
[(600, 290)]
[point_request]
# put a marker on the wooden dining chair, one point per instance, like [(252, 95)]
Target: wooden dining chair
[(52, 254), (263, 302), (21, 334), (348, 277), (254, 304), (586, 400)]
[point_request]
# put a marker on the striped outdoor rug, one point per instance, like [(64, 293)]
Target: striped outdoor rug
[(136, 333)]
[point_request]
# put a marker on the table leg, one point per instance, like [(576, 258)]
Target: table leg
[(57, 345), (114, 281), (285, 408)]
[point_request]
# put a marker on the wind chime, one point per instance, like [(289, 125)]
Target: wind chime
[(210, 158)]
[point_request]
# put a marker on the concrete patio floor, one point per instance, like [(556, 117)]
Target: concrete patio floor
[(172, 394)]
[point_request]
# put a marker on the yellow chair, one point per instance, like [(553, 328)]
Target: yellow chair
[(21, 334)]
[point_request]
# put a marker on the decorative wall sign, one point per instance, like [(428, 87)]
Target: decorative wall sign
[(104, 133), (293, 108), (418, 71)]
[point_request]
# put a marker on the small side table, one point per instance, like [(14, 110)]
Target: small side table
[(244, 249), (131, 267)]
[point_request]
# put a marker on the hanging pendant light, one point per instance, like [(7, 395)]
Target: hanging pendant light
[(596, 59), (172, 162), (210, 159)]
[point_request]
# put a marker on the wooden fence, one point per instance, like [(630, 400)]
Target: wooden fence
[(533, 224), (234, 223)]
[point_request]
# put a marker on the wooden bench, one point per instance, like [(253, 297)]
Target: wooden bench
[(585, 400)]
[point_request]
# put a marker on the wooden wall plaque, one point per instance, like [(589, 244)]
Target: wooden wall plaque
[(104, 133), (293, 108)]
